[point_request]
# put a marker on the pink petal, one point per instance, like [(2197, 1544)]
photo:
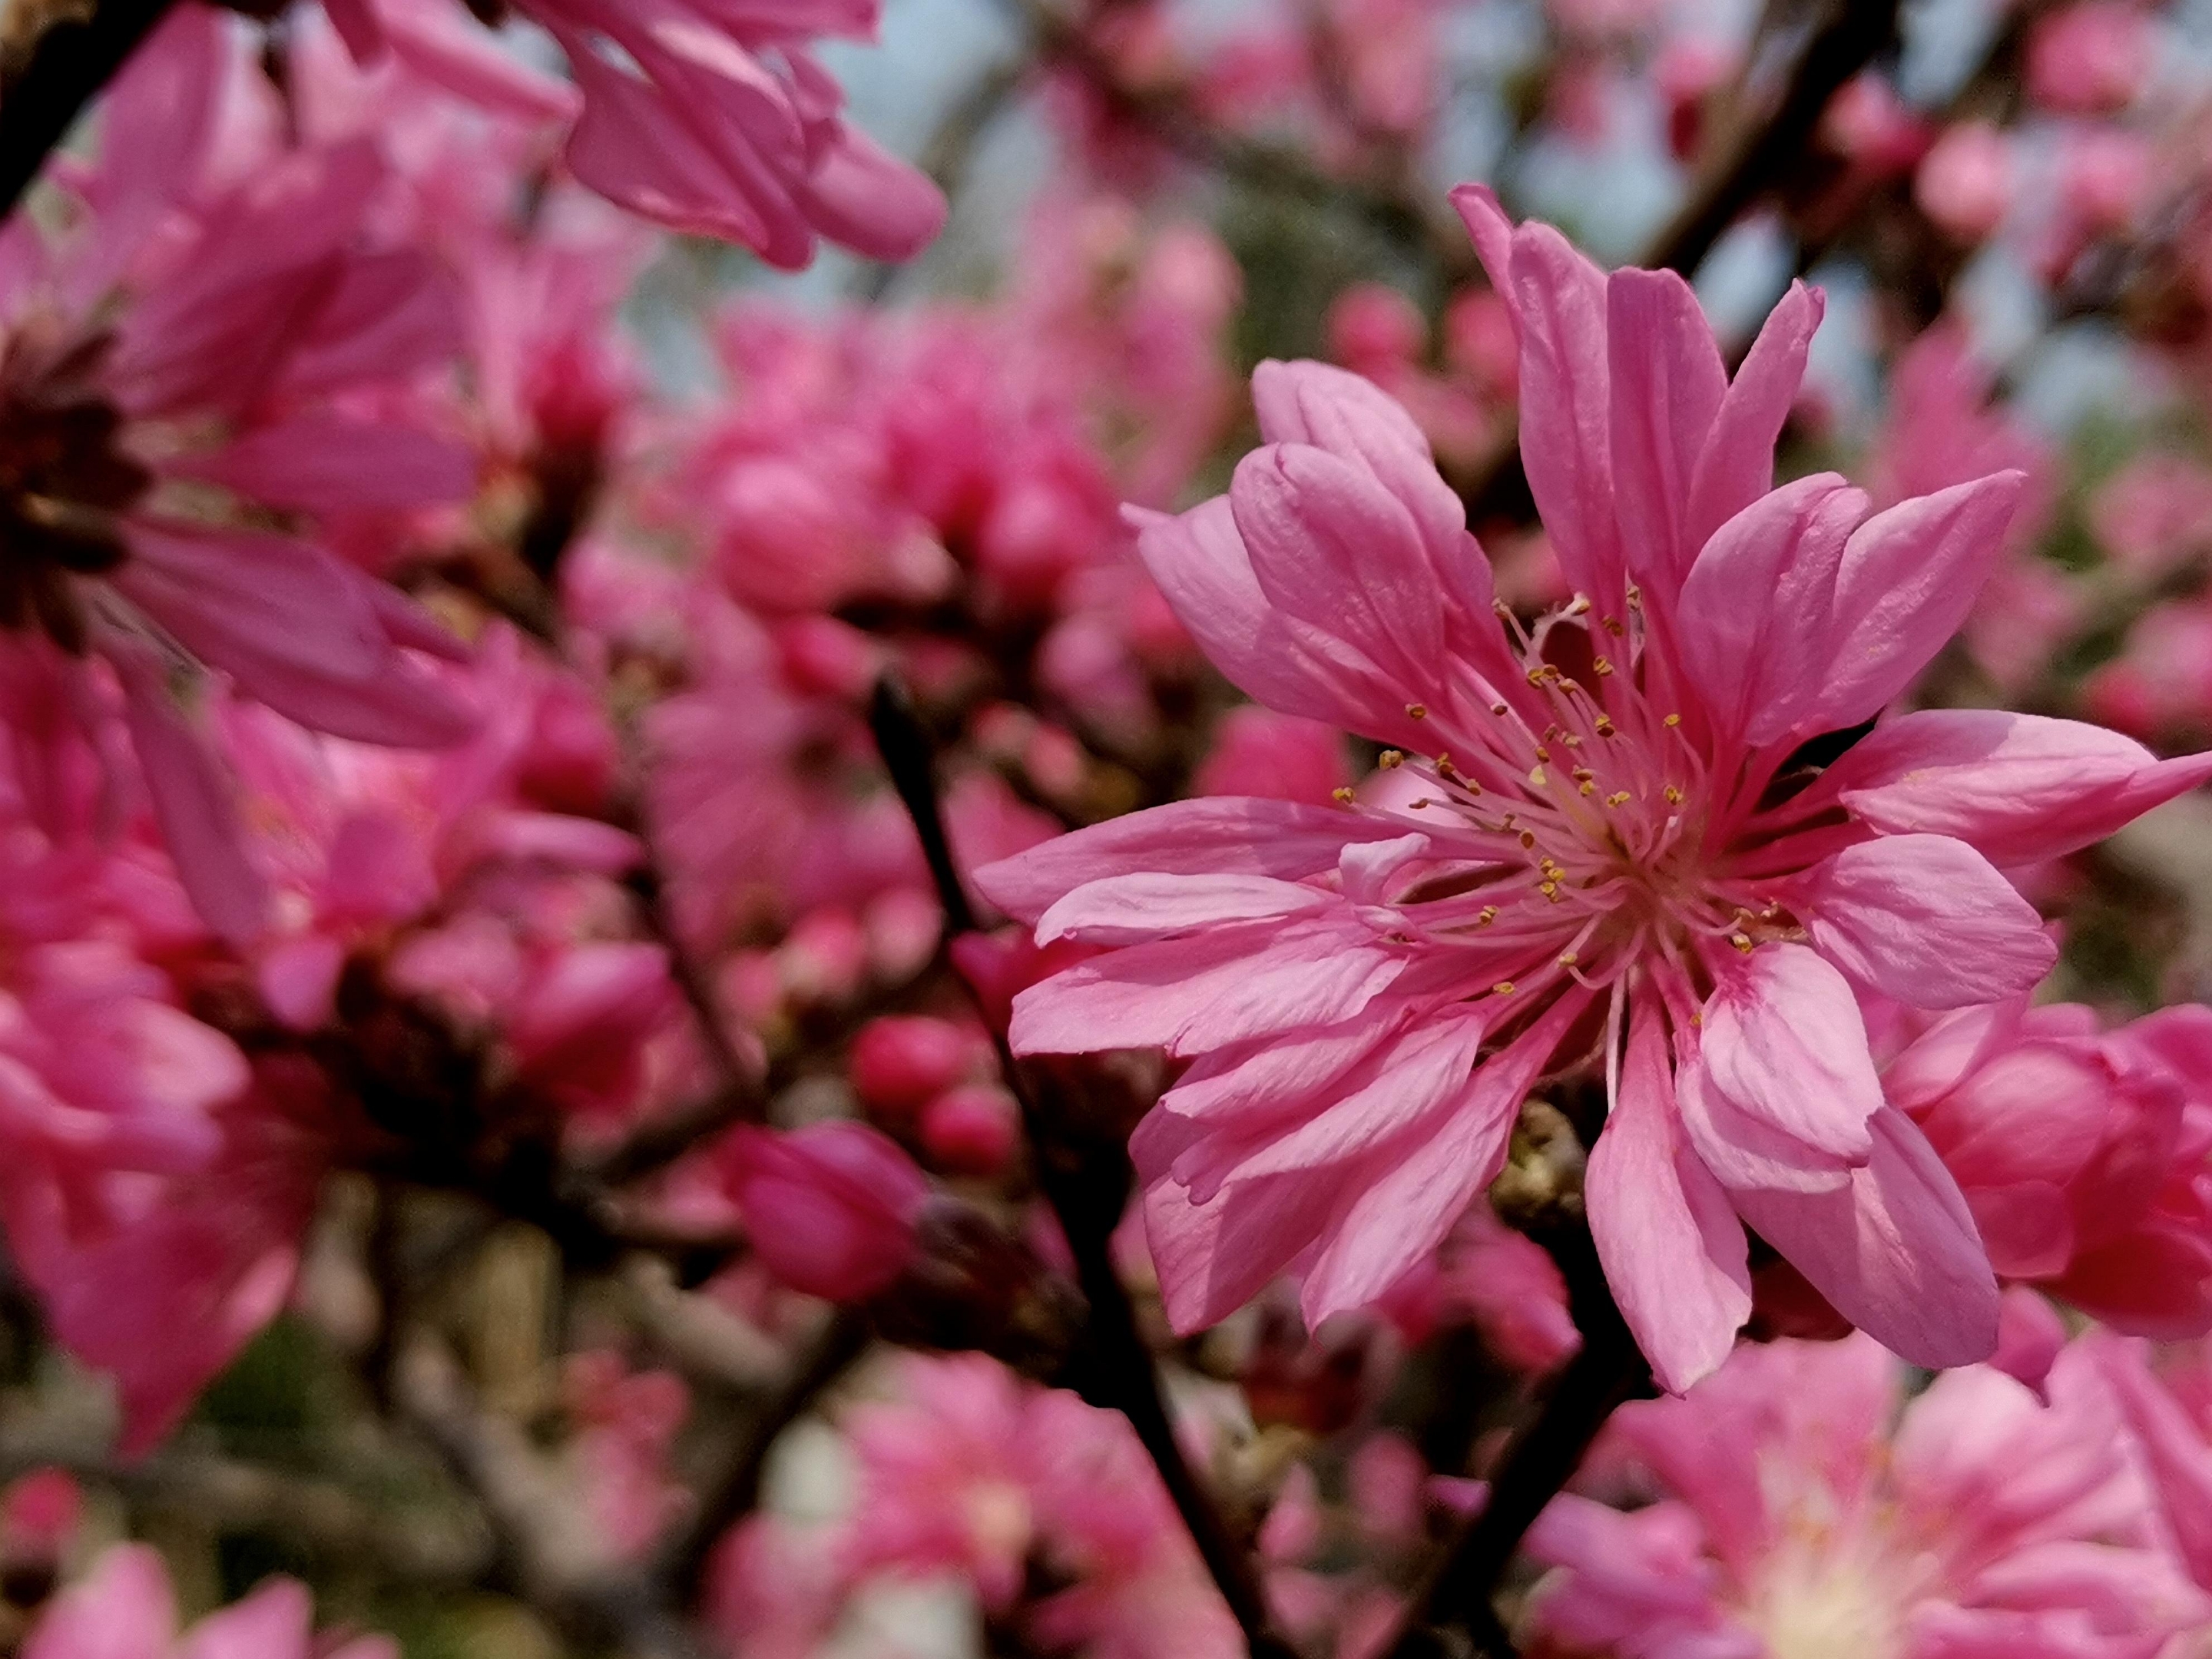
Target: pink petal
[(1191, 994), (1134, 908), (123, 1610), (1387, 1225), (1894, 1251), (1213, 1258), (385, 315), (1565, 409), (2020, 788), (274, 1622), (1780, 1088), (1672, 1248), (1667, 383), (328, 464), (451, 51), (2179, 1461), (1736, 465), (1926, 920), (1492, 233), (1753, 614), (861, 197), (1908, 577), (298, 978), (1227, 835)]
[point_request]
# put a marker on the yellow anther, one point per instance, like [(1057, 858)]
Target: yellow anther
[(1673, 795), (1697, 1020), (1504, 988), (1573, 740), (1536, 675), (1579, 606), (1542, 753), (1536, 776), (1586, 787), (1567, 958), (1618, 798), (1419, 711), (1390, 758), (1603, 666), (1612, 627), (1548, 889), (1343, 795), (1742, 941), (1488, 915), (1672, 720), (1604, 727), (1584, 775)]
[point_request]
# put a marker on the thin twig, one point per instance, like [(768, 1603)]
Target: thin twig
[(1608, 1370), (41, 97), (1086, 1178)]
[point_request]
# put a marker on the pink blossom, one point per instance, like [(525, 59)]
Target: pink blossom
[(970, 1130), (627, 1424), (125, 1609), (1965, 183), (1257, 752), (1802, 1513), (154, 441), (2152, 513), (829, 1207), (900, 1061), (703, 117), (2090, 58), (1610, 855), (2080, 1152)]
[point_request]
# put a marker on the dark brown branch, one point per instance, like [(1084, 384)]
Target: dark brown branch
[(1605, 1371), (1083, 1168), (45, 90)]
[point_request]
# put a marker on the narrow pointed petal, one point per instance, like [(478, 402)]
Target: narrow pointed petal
[(1213, 1258), (2019, 788), (1667, 386), (1672, 1248), (1134, 908), (1736, 465), (1894, 1251), (1926, 920)]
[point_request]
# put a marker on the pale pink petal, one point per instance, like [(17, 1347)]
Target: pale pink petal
[(298, 978), (1228, 835), (123, 1610), (1908, 577), (1780, 1087), (1736, 465), (1894, 1251), (1215, 1257), (385, 315), (449, 50), (1752, 619), (861, 197), (1673, 1250), (1926, 920), (2020, 788), (1189, 995), (1133, 908), (1566, 410), (1492, 233), (1667, 386), (1387, 1224), (1333, 548), (2179, 1460), (275, 1622)]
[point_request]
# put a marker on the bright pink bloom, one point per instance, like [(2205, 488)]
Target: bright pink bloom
[(2082, 1153), (899, 1061), (147, 446), (1803, 1516), (124, 1609), (2091, 58), (1615, 853), (1965, 183), (703, 115), (829, 1207)]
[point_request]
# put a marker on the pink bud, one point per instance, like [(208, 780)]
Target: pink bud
[(1965, 182), (2089, 59), (971, 1129), (829, 1208), (824, 958), (822, 656), (1372, 327), (899, 1061), (40, 1512)]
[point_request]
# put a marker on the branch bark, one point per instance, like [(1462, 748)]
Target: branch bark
[(1083, 1171)]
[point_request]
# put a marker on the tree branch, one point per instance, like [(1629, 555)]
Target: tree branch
[(1083, 1168), (43, 94)]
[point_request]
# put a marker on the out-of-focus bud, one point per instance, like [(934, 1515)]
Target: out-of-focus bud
[(1373, 326), (829, 1208), (1257, 752), (900, 1061), (2090, 60), (1965, 181), (1689, 71), (1867, 125), (824, 958), (971, 1129), (822, 656)]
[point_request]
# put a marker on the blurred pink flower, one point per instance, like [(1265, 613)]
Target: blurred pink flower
[(124, 1609), (1965, 183), (705, 117), (830, 1207), (243, 310), (1257, 752), (1613, 854), (1801, 1514), (2090, 58)]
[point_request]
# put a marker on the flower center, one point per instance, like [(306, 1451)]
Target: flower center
[(66, 484)]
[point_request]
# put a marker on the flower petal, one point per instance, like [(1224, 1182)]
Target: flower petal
[(1134, 908), (1736, 465), (1926, 920), (1667, 386), (1672, 1248), (1894, 1250)]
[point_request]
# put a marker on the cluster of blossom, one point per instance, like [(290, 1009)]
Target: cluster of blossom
[(445, 760)]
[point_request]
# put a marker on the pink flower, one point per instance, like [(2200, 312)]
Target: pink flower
[(124, 1609), (2092, 58), (146, 447), (1614, 854), (1965, 181), (829, 1207), (704, 116), (2082, 1154), (1801, 1514)]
